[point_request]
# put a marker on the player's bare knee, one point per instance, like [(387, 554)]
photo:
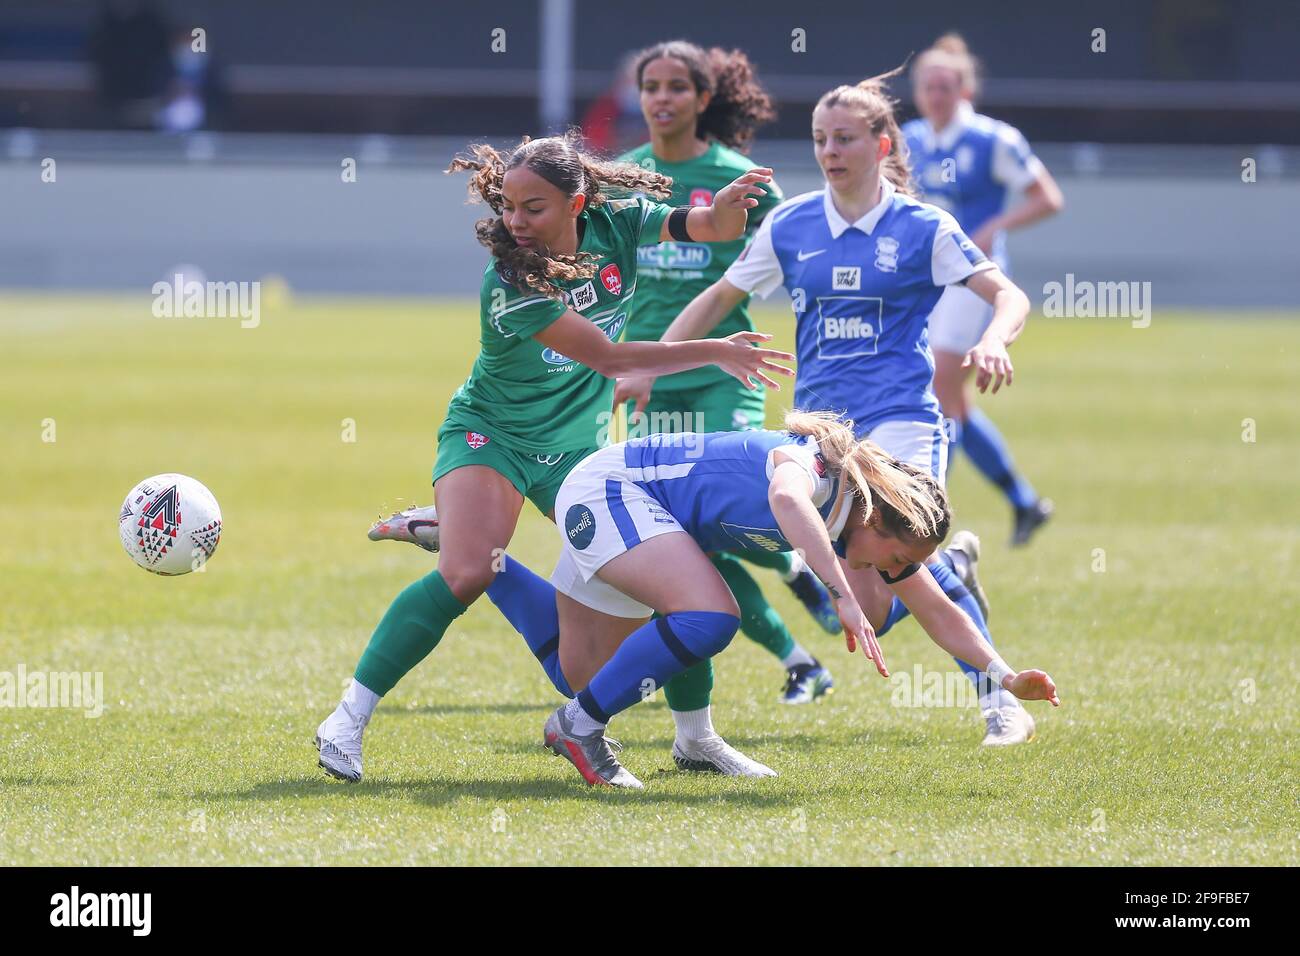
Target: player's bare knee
[(467, 577)]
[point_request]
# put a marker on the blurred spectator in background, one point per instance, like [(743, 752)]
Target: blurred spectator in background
[(193, 96), (613, 123), (129, 50)]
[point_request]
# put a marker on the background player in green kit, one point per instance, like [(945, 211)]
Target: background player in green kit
[(553, 302), (702, 108)]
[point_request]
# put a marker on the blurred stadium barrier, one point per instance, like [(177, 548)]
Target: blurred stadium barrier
[(126, 208)]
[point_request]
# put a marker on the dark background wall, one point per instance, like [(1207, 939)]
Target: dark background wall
[(1173, 71)]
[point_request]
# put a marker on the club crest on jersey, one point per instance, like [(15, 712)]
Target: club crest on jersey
[(846, 278), (476, 440), (612, 279), (583, 297), (701, 197), (887, 254)]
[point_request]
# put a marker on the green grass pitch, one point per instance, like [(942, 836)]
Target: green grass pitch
[(1177, 664)]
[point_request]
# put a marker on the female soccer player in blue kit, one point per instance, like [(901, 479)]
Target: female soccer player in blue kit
[(638, 522), (865, 263), (968, 164)]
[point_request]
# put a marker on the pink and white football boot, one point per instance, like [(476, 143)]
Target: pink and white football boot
[(416, 525)]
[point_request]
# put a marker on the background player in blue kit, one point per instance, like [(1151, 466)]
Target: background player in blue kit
[(969, 164), (864, 263), (638, 521)]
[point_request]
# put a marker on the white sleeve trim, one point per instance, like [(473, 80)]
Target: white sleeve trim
[(804, 454), (759, 271), (1014, 163), (952, 254)]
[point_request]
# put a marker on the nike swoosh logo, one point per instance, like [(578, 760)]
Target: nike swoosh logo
[(808, 255)]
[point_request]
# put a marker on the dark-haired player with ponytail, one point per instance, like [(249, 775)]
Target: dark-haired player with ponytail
[(553, 301), (702, 108), (865, 262)]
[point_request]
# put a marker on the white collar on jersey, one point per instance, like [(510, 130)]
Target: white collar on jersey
[(868, 222), (947, 137)]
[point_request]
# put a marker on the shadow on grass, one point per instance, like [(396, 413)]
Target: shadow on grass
[(488, 708), (796, 741), (433, 791), (424, 709), (37, 781)]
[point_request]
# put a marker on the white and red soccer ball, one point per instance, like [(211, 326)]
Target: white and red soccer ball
[(170, 524)]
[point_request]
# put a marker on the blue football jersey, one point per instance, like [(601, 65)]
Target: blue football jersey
[(862, 294), (970, 167), (716, 485)]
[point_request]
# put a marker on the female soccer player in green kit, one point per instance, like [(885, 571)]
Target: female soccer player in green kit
[(553, 302), (702, 108)]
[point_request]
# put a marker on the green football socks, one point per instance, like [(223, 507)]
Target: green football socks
[(410, 629)]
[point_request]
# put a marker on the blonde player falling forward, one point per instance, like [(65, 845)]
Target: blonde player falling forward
[(639, 519)]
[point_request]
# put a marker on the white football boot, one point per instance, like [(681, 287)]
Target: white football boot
[(1006, 725), (967, 544), (338, 740), (416, 525), (712, 754)]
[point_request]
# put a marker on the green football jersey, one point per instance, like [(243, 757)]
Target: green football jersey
[(528, 396), (674, 273)]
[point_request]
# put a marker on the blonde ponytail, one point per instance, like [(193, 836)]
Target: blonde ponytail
[(907, 500)]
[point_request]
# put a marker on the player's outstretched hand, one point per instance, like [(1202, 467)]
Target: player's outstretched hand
[(858, 632), (1034, 685), (740, 193), (634, 388), (740, 358), (991, 362)]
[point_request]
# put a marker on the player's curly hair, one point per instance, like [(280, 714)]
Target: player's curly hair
[(906, 501), (870, 99), (950, 51), (559, 161), (738, 105)]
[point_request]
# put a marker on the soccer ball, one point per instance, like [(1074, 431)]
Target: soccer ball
[(170, 524)]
